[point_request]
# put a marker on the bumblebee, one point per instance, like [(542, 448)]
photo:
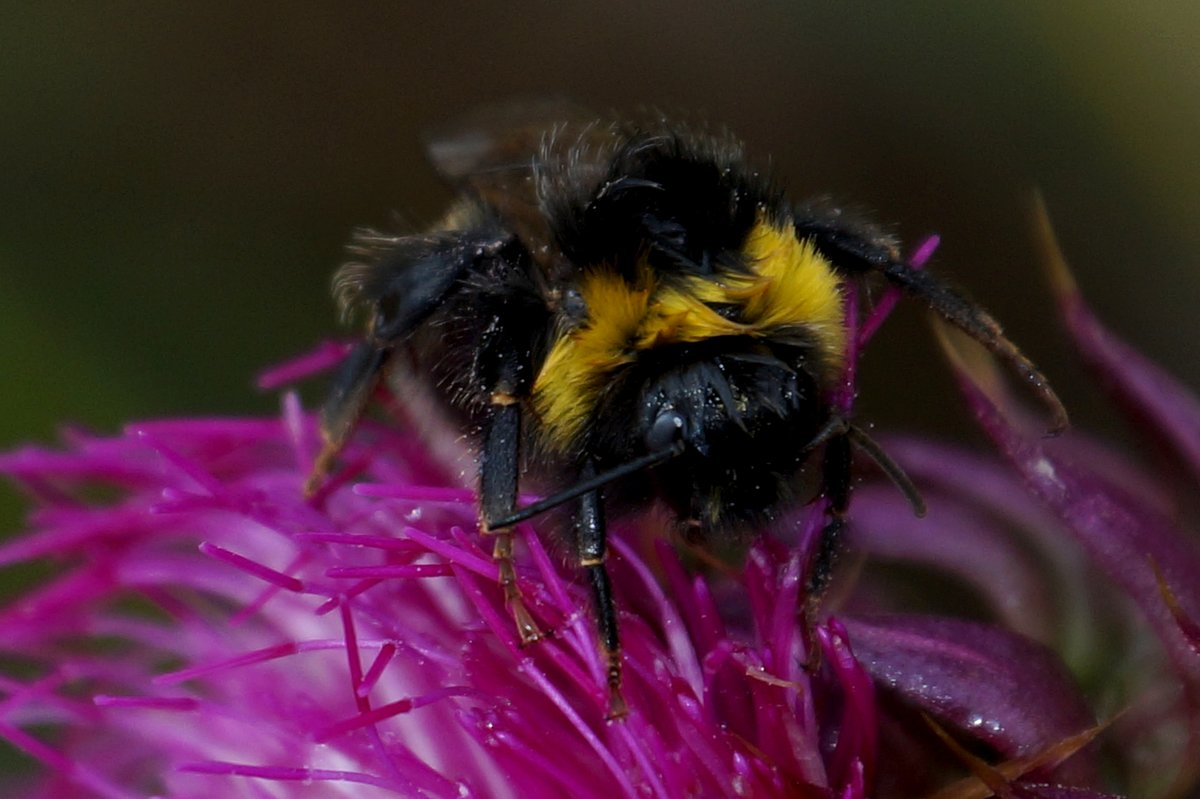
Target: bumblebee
[(630, 313)]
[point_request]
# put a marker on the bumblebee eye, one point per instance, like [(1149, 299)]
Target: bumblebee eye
[(668, 430)]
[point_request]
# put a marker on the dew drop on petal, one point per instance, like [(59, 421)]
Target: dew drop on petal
[(1045, 469)]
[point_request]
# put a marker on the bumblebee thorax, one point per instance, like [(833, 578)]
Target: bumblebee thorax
[(786, 294)]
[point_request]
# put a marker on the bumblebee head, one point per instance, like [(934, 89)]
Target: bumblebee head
[(725, 397), (740, 413)]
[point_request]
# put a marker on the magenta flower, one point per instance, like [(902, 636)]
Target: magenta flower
[(206, 631)]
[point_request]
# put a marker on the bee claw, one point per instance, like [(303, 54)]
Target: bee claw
[(527, 628)]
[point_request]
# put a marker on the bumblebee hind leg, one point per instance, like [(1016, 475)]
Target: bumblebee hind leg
[(401, 284), (348, 397)]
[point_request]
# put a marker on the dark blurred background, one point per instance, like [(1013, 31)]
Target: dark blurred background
[(177, 180)]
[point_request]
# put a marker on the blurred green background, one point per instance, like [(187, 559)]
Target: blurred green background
[(177, 180)]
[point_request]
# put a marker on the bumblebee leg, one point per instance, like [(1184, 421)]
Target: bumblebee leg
[(837, 474), (856, 251), (348, 397), (401, 283), (836, 477), (979, 325), (591, 538), (838, 435), (498, 471)]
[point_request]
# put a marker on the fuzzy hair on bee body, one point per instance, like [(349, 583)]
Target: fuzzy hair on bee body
[(591, 251), (635, 315)]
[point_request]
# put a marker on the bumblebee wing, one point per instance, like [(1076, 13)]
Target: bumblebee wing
[(498, 139), (506, 157)]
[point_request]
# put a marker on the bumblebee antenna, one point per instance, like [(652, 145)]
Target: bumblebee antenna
[(590, 484)]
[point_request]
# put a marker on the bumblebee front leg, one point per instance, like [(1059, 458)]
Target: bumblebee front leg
[(836, 480), (836, 471), (838, 435), (591, 539), (498, 477)]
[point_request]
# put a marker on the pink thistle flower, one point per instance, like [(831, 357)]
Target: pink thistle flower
[(209, 632)]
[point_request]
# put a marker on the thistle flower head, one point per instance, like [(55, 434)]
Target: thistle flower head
[(207, 631)]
